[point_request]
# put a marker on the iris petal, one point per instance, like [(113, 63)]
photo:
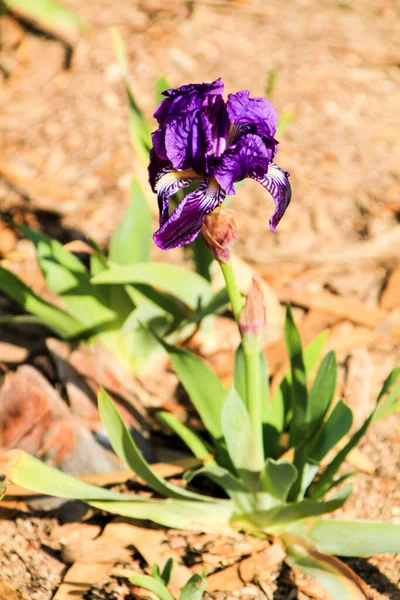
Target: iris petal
[(188, 141), (276, 181), (257, 113), (186, 98), (184, 225), (247, 157), (168, 183)]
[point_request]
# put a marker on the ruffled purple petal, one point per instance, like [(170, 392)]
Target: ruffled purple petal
[(276, 181), (185, 133), (256, 115), (156, 165), (168, 183), (189, 142), (187, 98), (184, 225), (247, 157)]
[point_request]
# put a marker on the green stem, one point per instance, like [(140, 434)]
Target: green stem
[(252, 361), (234, 294), (253, 382)]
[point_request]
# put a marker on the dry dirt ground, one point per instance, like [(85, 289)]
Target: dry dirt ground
[(66, 162)]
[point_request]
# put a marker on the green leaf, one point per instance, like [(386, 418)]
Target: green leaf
[(203, 386), (148, 298), (236, 427), (66, 275), (277, 519), (239, 374), (18, 320), (243, 498), (388, 405), (202, 257), (49, 14), (393, 376), (162, 85), (152, 585), (178, 514), (385, 405), (240, 380), (126, 449), (194, 588), (155, 572), (281, 402), (299, 380), (139, 128), (131, 240), (348, 537), (270, 433), (216, 304), (332, 431), (336, 577), (167, 570), (189, 287), (312, 352), (53, 317), (322, 391), (29, 472), (276, 481), (191, 439), (309, 455)]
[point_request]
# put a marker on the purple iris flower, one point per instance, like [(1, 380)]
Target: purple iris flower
[(201, 138)]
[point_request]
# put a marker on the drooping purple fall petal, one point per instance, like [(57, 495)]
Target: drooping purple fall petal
[(168, 183), (276, 181), (184, 225)]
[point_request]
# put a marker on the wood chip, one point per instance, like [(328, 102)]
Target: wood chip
[(346, 308), (7, 593), (257, 566), (79, 579), (152, 544)]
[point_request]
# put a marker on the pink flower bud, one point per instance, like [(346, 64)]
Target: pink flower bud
[(253, 316), (219, 233)]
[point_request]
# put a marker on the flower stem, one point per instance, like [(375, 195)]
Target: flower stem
[(252, 362), (254, 399), (234, 294)]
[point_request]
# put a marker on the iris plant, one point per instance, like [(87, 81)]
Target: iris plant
[(266, 449), (203, 138)]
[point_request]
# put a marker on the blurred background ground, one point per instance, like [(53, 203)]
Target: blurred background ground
[(66, 162)]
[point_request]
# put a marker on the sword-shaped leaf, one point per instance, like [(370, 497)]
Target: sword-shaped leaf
[(349, 538), (53, 317), (190, 288), (126, 449), (130, 242), (29, 472), (336, 577)]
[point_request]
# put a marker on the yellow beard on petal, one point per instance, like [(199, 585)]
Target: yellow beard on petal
[(170, 178)]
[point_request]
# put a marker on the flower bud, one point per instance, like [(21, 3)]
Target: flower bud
[(253, 316), (219, 233)]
